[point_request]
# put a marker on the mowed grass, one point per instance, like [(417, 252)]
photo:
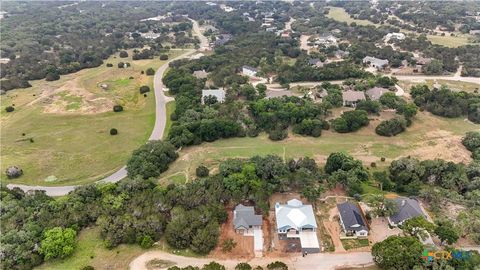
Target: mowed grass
[(77, 148), (429, 137), (91, 251), (449, 41), (451, 84), (339, 14)]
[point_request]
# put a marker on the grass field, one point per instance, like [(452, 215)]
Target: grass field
[(69, 121), (90, 251), (429, 137), (453, 85), (341, 15)]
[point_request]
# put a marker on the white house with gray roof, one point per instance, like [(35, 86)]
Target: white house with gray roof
[(249, 71), (375, 62), (297, 220), (406, 209), (352, 220), (245, 220), (219, 94)]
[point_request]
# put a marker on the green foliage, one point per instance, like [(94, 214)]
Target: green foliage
[(309, 127), (202, 171), (228, 244), (151, 159), (52, 76), (150, 72), (277, 134), (113, 131), (341, 161), (213, 266), (144, 89), (123, 54), (117, 108), (390, 100), (396, 252), (277, 266), (447, 232), (350, 121), (164, 57), (391, 127), (57, 243), (146, 242), (243, 266), (418, 227), (9, 109), (370, 106), (471, 140)]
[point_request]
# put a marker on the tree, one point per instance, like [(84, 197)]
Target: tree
[(146, 242), (123, 54), (391, 127), (121, 65), (341, 161), (471, 140), (57, 243), (150, 72), (390, 100), (447, 232), (277, 266), (206, 238), (151, 159), (164, 57), (117, 108), (418, 226), (396, 252), (202, 171), (228, 244), (434, 67), (9, 109), (243, 266), (144, 89), (350, 121), (370, 106), (52, 76), (113, 131), (213, 266)]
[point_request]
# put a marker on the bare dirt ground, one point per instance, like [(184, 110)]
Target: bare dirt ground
[(244, 247), (332, 226), (379, 230)]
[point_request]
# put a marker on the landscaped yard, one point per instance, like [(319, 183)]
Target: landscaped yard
[(68, 122), (429, 137)]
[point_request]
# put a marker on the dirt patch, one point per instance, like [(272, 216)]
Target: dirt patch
[(380, 231), (443, 145), (72, 98)]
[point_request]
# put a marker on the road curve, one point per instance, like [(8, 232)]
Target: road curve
[(157, 133)]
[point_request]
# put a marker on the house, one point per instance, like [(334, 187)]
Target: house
[(376, 92), (406, 209), (474, 32), (276, 93), (200, 74), (316, 63), (375, 62), (218, 93), (249, 71), (341, 54), (351, 98), (326, 39), (420, 62), (297, 221), (222, 39), (397, 36), (351, 219), (245, 221)]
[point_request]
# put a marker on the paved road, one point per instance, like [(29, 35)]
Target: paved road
[(320, 261), (157, 133)]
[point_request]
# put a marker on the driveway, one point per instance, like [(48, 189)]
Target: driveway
[(319, 261), (380, 231)]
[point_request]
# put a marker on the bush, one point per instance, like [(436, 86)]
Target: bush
[(253, 132), (117, 108), (369, 106), (278, 134), (202, 171), (146, 242), (88, 267), (350, 121), (123, 54), (277, 266), (151, 159), (163, 57), (243, 266), (310, 127), (9, 109), (13, 172), (144, 89), (228, 244), (113, 131), (121, 65), (150, 72), (52, 76), (471, 141), (391, 127), (109, 65)]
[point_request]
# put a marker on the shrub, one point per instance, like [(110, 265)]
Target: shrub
[(163, 57), (9, 109), (13, 172), (243, 266), (391, 127), (253, 132), (121, 65), (150, 72), (52, 76), (373, 164), (144, 89), (109, 65), (123, 54), (277, 266), (117, 108), (147, 242), (228, 244), (88, 267), (202, 171), (382, 159), (471, 141), (350, 121), (277, 134), (113, 131), (370, 106)]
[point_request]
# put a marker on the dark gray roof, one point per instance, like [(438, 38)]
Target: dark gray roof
[(407, 209), (351, 217), (244, 217)]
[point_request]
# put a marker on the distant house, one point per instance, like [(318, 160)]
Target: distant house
[(297, 221), (316, 63), (406, 209), (249, 71), (351, 219), (375, 62), (474, 32), (351, 98), (421, 62), (326, 39), (398, 36), (200, 74), (376, 92), (245, 220), (275, 93), (341, 54), (218, 93), (222, 39)]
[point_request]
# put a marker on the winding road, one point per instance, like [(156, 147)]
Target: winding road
[(157, 134)]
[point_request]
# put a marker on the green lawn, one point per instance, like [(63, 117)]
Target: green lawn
[(354, 243), (339, 14), (71, 146), (90, 251), (428, 137)]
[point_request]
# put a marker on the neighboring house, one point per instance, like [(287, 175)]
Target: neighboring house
[(316, 63), (222, 39), (200, 74), (351, 98), (326, 39), (376, 92), (245, 221), (474, 32), (421, 62), (218, 93), (271, 29), (297, 221), (406, 209), (398, 36), (375, 62), (351, 219), (341, 54), (249, 71), (275, 93)]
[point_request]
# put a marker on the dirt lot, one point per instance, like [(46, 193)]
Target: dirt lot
[(379, 230), (332, 226)]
